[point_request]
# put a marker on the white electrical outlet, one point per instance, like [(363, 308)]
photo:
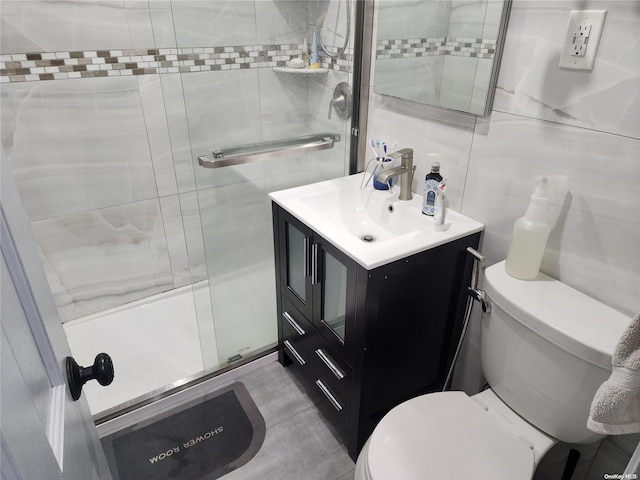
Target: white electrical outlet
[(582, 40)]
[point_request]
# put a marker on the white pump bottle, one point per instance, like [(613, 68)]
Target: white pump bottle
[(530, 235)]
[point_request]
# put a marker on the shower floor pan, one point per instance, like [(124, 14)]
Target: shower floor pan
[(153, 343)]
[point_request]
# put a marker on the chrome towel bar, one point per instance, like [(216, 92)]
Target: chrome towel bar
[(262, 151)]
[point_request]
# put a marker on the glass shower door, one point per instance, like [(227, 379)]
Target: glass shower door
[(233, 89), (163, 264)]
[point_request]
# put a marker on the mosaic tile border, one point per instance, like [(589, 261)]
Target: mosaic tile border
[(29, 67), (422, 47)]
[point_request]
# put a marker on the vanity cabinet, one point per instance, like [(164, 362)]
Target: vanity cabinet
[(362, 341)]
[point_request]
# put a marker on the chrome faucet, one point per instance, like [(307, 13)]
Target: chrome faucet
[(404, 171)]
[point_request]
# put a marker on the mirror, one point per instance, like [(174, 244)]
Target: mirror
[(443, 53)]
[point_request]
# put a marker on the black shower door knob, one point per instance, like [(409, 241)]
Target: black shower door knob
[(77, 376)]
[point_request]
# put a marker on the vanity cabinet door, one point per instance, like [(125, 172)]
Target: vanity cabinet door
[(334, 287), (319, 281), (295, 266)]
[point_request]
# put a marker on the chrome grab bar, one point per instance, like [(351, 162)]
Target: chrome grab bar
[(262, 151)]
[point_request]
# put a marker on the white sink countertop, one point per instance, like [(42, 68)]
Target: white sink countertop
[(344, 214)]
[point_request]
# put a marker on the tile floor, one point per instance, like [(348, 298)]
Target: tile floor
[(298, 444)]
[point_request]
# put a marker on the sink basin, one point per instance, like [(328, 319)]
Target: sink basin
[(371, 226)]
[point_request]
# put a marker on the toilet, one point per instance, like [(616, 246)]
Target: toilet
[(545, 350)]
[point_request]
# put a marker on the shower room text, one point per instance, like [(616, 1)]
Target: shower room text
[(191, 443)]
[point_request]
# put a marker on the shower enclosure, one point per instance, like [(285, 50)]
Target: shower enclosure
[(106, 106)]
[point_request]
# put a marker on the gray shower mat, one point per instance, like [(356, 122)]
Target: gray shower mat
[(201, 440)]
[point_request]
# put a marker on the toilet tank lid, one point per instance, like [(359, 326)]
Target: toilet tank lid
[(562, 315)]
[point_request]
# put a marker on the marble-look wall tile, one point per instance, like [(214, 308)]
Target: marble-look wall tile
[(593, 245), (281, 21), (412, 18), (138, 14), (164, 33), (295, 105), (418, 78), (492, 18), (332, 163), (153, 107), (283, 104), (193, 235), (295, 170), (237, 222), (481, 85), (467, 18), (173, 97), (290, 171), (223, 22), (58, 25), (175, 234), (223, 110), (458, 76), (77, 145), (100, 259), (531, 83)]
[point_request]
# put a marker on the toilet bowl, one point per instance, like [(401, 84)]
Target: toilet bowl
[(545, 350)]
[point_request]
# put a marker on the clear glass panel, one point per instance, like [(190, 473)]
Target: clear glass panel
[(235, 93), (296, 261), (165, 265), (334, 294)]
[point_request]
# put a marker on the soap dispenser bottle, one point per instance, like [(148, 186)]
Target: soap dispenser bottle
[(431, 182), (315, 54), (530, 235)]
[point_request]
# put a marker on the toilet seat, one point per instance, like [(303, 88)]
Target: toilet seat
[(445, 435)]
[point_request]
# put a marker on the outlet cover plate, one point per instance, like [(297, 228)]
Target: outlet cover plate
[(579, 51)]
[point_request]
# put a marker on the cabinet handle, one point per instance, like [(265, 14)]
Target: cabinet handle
[(294, 352), (287, 316), (314, 264), (307, 240), (329, 363), (330, 397)]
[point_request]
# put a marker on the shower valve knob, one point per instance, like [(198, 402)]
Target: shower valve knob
[(341, 101), (77, 376)]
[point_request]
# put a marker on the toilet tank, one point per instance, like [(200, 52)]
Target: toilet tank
[(546, 348)]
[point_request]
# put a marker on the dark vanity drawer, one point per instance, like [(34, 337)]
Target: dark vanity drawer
[(294, 322), (331, 369), (333, 404), (332, 378), (324, 373), (304, 338), (297, 336)]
